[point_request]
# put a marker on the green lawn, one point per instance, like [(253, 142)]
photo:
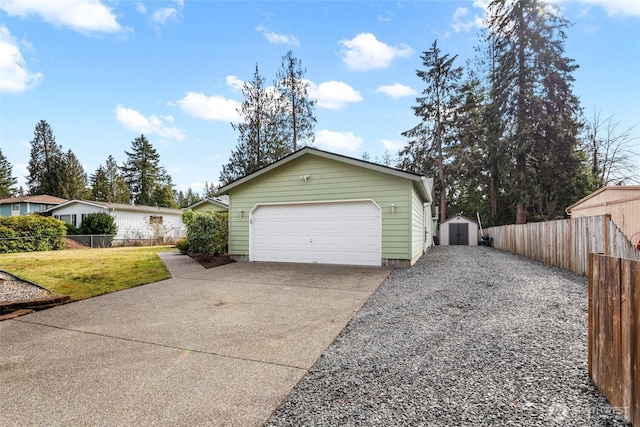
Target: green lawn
[(86, 273)]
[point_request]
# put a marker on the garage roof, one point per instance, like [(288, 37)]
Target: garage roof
[(424, 184)]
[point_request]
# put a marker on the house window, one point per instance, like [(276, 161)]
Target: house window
[(155, 219), (15, 207), (69, 219)]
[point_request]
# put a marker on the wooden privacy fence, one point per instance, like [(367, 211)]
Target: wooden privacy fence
[(614, 331), (564, 243)]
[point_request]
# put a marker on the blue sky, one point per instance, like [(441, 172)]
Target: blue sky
[(103, 72)]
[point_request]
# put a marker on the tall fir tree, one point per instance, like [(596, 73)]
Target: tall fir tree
[(437, 110), (533, 87), (261, 139), (299, 120), (8, 182), (108, 184), (142, 171), (45, 163), (73, 179)]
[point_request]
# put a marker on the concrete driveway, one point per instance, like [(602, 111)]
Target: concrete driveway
[(207, 347)]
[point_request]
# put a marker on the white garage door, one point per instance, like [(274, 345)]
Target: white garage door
[(325, 233)]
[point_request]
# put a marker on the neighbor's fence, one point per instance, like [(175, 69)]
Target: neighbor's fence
[(564, 243), (614, 331), (93, 240)]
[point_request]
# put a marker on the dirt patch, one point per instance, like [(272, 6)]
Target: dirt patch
[(72, 244), (211, 262)]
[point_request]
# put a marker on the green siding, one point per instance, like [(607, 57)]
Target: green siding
[(417, 225), (329, 180)]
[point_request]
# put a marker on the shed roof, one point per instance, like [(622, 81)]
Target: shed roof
[(120, 207), (459, 216), (626, 193), (422, 182)]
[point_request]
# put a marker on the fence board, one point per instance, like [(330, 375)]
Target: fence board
[(614, 325), (564, 243)]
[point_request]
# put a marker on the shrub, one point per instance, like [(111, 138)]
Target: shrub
[(31, 233), (182, 245), (207, 232), (98, 223)]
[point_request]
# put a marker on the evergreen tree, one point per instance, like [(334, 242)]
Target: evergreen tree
[(260, 135), (143, 173), (436, 109), (7, 181), (533, 87), (299, 119), (108, 184), (45, 163), (72, 179)]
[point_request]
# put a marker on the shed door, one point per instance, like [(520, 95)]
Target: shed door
[(459, 234), (325, 233)]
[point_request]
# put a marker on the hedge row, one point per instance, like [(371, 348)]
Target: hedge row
[(30, 233), (207, 232)]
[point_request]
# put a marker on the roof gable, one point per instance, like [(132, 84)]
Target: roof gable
[(459, 216), (421, 181), (222, 202)]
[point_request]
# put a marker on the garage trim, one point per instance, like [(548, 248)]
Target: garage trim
[(378, 258)]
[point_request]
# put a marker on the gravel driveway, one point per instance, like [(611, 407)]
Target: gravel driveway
[(468, 336)]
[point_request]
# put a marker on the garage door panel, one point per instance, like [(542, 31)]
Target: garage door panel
[(331, 233)]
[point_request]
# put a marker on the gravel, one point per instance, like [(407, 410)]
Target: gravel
[(468, 336), (13, 289)]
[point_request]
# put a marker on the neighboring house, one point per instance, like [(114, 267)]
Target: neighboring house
[(459, 230), (15, 206), (133, 221), (214, 204), (622, 202), (313, 206)]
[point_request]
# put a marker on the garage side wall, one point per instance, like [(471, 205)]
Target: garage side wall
[(418, 225), (327, 180)]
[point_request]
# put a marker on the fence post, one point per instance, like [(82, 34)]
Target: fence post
[(607, 219), (570, 245)]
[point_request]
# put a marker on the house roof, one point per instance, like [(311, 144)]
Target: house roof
[(222, 201), (41, 198), (422, 182), (120, 207), (632, 193)]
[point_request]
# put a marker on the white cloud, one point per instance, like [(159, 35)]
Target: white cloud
[(135, 121), (163, 15), (392, 145), (87, 16), (333, 95), (396, 90), (617, 7), (277, 38), (462, 22), (14, 75), (365, 52), (235, 83), (213, 107), (338, 141)]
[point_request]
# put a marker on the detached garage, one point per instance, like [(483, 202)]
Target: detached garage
[(319, 207), (459, 230)]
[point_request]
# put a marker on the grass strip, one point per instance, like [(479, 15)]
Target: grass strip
[(87, 273)]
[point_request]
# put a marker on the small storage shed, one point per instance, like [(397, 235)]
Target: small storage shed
[(314, 206), (622, 202), (459, 230)]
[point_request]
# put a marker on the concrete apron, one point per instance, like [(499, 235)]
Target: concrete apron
[(221, 346)]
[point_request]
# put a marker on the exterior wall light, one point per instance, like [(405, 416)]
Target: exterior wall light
[(392, 208), (304, 178), (241, 212)]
